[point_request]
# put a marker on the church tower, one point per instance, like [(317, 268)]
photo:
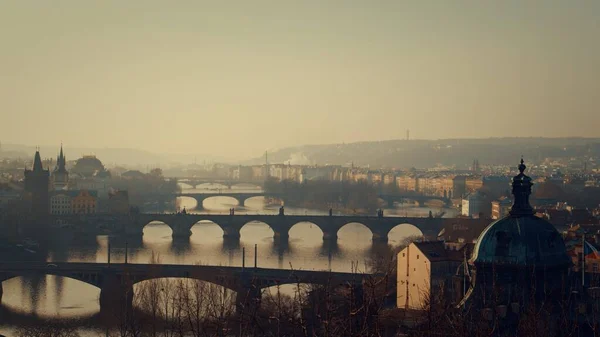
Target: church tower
[(519, 264), (60, 175), (37, 183)]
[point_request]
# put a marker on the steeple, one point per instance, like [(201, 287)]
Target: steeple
[(521, 189), (37, 162), (61, 162)]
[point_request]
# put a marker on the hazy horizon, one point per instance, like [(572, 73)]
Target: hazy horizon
[(236, 79)]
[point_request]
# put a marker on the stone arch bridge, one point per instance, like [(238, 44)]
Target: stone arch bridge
[(231, 225), (241, 197), (116, 280)]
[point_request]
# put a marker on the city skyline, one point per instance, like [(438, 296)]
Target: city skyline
[(215, 79)]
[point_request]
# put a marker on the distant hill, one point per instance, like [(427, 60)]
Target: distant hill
[(428, 153), (108, 156)]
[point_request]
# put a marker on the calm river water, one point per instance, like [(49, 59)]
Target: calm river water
[(57, 297)]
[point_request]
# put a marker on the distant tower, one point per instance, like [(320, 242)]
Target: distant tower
[(407, 134), (475, 167), (267, 170), (37, 185), (60, 176)]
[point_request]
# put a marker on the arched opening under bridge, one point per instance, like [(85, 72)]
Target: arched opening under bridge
[(184, 186), (220, 203), (206, 232), (404, 234), (50, 296), (355, 235), (195, 297), (256, 232), (254, 203), (157, 231), (188, 203), (306, 233)]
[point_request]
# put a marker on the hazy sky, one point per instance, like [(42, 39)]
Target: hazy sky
[(237, 77)]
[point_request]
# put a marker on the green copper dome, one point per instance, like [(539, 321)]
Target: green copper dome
[(521, 238), (525, 241)]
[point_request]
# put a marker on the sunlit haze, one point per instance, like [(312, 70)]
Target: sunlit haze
[(236, 78)]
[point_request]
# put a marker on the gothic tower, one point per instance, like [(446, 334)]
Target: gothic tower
[(60, 175), (37, 183)]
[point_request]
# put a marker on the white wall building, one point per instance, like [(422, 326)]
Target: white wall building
[(473, 204)]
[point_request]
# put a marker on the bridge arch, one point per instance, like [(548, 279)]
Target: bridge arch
[(80, 305), (402, 233), (187, 202), (355, 232), (227, 202), (256, 230), (91, 279), (206, 231), (307, 231), (253, 200), (188, 281), (155, 229)]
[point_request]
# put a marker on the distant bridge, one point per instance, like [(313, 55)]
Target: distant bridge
[(241, 197), (229, 182), (116, 280)]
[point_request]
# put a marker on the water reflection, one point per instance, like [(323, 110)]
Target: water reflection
[(51, 296)]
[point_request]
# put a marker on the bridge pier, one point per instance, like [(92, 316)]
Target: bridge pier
[(134, 230), (230, 232), (116, 295), (199, 203), (329, 235), (281, 236), (379, 237), (182, 228)]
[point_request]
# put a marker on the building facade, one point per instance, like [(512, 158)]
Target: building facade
[(425, 271), (472, 205), (85, 202), (61, 203), (501, 208)]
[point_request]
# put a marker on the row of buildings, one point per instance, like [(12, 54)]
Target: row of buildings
[(450, 185), (51, 192), (496, 270)]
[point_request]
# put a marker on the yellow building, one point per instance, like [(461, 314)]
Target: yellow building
[(408, 183), (473, 183), (85, 202), (425, 271)]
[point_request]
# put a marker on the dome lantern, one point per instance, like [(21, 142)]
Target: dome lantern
[(521, 189)]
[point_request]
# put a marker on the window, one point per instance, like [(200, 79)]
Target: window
[(417, 256), (595, 267), (403, 254)]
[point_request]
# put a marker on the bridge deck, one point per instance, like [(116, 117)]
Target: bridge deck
[(51, 267)]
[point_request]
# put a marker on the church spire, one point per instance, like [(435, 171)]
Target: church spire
[(37, 162), (61, 159), (521, 189)]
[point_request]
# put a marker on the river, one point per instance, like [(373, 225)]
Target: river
[(57, 297)]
